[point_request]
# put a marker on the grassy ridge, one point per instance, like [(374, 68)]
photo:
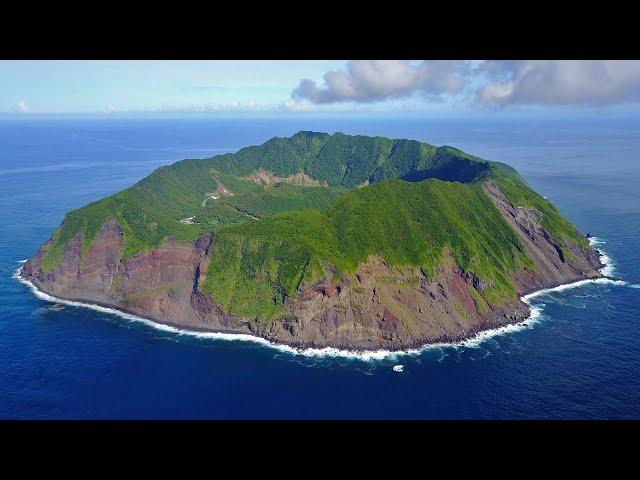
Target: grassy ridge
[(347, 161)]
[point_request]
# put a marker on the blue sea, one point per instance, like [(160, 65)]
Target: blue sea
[(578, 358)]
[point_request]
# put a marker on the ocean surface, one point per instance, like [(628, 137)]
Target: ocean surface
[(577, 357)]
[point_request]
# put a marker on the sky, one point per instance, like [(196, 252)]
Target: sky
[(422, 87)]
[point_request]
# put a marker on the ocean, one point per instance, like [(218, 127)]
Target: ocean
[(578, 356)]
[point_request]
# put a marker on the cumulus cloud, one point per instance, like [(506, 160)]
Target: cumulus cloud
[(495, 83), (561, 82), (376, 80), (23, 107)]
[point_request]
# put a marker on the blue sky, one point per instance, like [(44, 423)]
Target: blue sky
[(146, 86), (452, 88)]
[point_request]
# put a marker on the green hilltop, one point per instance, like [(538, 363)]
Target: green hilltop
[(331, 199)]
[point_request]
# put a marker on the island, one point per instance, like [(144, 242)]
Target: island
[(320, 240)]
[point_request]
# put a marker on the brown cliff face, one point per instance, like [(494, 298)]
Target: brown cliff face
[(161, 284), (390, 307), (552, 266), (380, 306)]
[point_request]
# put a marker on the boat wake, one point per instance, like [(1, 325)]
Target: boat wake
[(364, 355)]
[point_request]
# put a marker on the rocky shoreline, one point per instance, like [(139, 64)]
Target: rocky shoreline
[(336, 350), (519, 316)]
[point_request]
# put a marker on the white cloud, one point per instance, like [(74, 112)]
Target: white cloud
[(232, 106), (562, 82), (299, 106), (110, 109), (23, 107), (493, 83), (376, 80)]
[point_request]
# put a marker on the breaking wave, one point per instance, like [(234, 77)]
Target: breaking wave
[(608, 268)]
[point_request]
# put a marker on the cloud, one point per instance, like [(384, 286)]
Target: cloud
[(305, 105), (376, 80), (23, 107), (563, 82), (233, 106), (110, 109), (299, 106), (474, 83)]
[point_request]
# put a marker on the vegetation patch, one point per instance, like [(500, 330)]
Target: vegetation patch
[(405, 223)]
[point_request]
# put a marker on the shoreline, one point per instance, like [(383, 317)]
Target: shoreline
[(364, 355)]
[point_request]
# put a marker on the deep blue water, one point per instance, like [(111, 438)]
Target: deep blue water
[(581, 360)]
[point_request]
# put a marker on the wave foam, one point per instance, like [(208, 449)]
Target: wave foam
[(568, 286), (607, 270), (609, 267)]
